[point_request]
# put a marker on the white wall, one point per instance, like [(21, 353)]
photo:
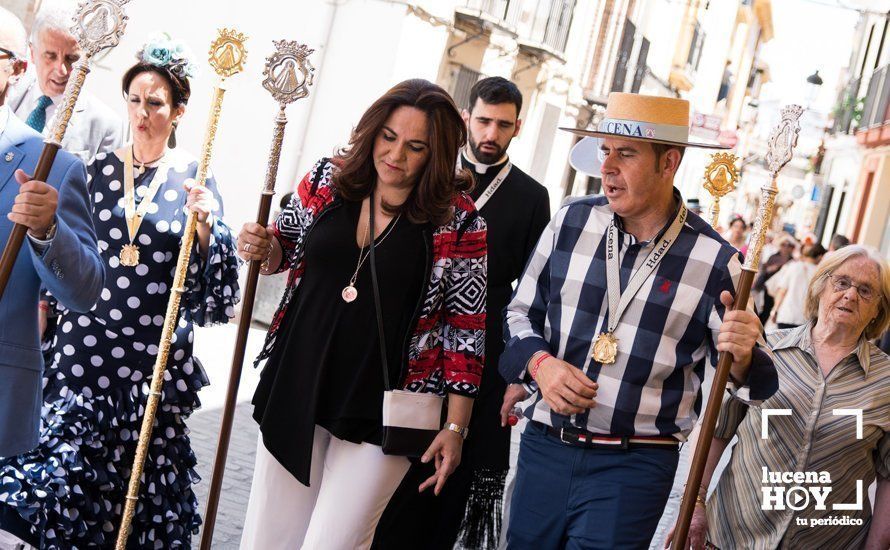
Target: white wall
[(372, 45)]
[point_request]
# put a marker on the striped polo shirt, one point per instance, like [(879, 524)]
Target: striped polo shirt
[(666, 336), (812, 440)]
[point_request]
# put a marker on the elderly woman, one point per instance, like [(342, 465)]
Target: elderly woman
[(827, 368), (322, 479), (70, 490)]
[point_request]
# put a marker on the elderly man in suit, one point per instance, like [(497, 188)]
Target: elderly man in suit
[(93, 128), (60, 251)]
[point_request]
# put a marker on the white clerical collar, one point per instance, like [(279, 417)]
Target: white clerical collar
[(4, 118), (479, 167)]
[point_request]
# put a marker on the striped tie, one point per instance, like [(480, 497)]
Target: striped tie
[(37, 118)]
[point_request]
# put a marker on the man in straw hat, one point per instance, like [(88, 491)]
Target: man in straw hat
[(623, 301)]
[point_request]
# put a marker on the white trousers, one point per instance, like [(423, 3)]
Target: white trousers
[(349, 487)]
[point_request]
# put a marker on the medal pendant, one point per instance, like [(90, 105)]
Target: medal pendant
[(129, 255), (349, 294), (605, 348)]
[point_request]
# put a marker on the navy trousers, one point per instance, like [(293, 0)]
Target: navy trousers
[(575, 498)]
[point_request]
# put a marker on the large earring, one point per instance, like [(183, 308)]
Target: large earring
[(171, 141)]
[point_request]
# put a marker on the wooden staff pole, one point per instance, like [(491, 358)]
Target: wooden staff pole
[(288, 76), (781, 145), (227, 57)]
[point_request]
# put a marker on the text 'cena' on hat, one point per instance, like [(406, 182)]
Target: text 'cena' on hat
[(645, 118)]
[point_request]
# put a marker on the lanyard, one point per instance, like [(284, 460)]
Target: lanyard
[(493, 186), (619, 301)]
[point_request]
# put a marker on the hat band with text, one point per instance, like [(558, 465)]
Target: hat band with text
[(644, 130)]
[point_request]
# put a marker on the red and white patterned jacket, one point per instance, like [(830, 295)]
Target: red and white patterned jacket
[(446, 350)]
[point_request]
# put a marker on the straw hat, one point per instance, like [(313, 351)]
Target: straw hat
[(636, 117), (646, 118)]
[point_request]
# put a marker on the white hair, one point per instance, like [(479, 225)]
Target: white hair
[(57, 15), (12, 32)]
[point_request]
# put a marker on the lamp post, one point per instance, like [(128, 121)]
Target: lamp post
[(814, 82)]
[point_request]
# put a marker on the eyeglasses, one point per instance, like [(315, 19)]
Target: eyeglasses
[(9, 54), (843, 284)]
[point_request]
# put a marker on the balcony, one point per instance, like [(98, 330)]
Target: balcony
[(874, 127), (503, 14), (549, 29), (848, 112)]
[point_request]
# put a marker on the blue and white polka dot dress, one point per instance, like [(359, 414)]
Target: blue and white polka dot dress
[(72, 487)]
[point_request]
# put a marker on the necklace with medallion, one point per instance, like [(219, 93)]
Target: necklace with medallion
[(349, 292), (129, 255), (605, 346)]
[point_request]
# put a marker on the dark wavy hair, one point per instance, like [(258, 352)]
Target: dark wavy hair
[(180, 90), (437, 185)]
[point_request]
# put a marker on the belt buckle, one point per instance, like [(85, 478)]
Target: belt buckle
[(575, 440)]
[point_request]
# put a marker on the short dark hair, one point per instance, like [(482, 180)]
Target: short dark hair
[(180, 91), (738, 218), (839, 241), (662, 148), (495, 90), (814, 251)]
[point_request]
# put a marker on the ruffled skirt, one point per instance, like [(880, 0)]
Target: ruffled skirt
[(71, 488)]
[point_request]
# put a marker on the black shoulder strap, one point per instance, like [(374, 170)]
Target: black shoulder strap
[(377, 306)]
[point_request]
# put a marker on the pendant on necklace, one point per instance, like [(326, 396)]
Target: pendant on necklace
[(129, 255), (349, 294), (605, 348)]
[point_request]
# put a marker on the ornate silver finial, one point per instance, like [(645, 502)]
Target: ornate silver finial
[(783, 138), (99, 24), (288, 71)]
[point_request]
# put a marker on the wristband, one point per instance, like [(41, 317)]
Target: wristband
[(43, 306), (537, 364)]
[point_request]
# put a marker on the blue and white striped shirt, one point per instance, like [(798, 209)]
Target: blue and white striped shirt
[(666, 334)]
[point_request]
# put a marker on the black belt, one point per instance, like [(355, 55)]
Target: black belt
[(577, 437)]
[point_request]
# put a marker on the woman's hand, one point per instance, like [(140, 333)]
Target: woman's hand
[(200, 201), (446, 449), (254, 241), (698, 530)]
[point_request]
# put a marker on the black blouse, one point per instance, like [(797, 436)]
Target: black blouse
[(327, 369)]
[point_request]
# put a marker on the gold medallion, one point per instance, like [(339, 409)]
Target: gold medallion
[(129, 255), (605, 348)]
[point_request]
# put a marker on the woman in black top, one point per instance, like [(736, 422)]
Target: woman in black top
[(321, 479)]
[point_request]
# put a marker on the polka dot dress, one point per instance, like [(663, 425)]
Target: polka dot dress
[(72, 487)]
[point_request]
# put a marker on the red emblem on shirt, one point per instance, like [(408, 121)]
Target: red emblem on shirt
[(665, 286)]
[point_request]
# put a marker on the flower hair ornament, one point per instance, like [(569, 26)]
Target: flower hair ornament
[(163, 51)]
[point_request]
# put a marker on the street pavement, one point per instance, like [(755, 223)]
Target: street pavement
[(214, 347)]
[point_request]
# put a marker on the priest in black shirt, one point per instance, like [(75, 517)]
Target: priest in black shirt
[(516, 208)]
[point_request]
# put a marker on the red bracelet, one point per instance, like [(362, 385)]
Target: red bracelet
[(43, 305), (537, 364)]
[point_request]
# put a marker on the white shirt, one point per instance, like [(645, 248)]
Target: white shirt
[(794, 277), (29, 103), (4, 116)]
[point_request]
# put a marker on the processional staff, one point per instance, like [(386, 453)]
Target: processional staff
[(781, 146), (98, 25), (227, 57), (720, 179), (288, 75)]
